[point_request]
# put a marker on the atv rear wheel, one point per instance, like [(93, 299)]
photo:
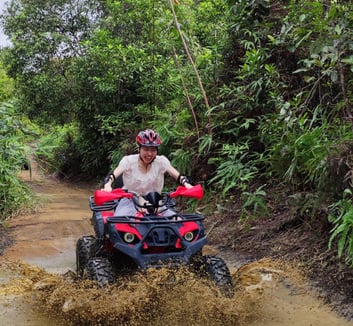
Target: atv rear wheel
[(83, 249), (100, 269), (217, 270)]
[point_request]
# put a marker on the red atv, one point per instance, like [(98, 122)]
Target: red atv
[(146, 240)]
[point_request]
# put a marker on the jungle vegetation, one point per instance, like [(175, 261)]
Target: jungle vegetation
[(247, 96)]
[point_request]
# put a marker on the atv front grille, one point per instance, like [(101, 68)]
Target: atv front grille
[(161, 237)]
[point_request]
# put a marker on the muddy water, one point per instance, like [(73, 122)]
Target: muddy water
[(38, 284)]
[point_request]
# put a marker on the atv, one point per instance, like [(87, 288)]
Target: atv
[(146, 240)]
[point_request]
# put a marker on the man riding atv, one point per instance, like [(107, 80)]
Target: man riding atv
[(143, 172), (138, 227)]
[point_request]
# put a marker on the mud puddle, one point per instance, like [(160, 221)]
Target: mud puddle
[(158, 297), (38, 285), (32, 296)]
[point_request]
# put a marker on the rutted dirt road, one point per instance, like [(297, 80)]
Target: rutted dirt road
[(266, 295)]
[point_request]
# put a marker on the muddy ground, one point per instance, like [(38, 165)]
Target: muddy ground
[(48, 238), (287, 234), (5, 239)]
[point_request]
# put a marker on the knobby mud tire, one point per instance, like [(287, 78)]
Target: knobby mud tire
[(99, 269), (83, 249), (217, 270)]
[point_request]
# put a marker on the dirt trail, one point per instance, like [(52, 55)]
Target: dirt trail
[(47, 239)]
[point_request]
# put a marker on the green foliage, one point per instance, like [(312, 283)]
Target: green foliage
[(321, 37), (243, 99), (45, 36), (254, 202), (342, 218), (182, 158), (121, 75), (236, 171), (112, 67), (299, 156), (6, 85), (14, 194), (45, 32), (278, 77), (57, 151), (300, 131), (46, 98), (177, 138)]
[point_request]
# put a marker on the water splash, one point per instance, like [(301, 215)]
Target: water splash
[(154, 297)]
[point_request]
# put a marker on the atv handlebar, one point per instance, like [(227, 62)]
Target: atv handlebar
[(194, 192), (101, 197)]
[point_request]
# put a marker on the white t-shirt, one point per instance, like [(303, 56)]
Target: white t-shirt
[(138, 180)]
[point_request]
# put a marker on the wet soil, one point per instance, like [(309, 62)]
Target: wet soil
[(288, 234), (38, 285)]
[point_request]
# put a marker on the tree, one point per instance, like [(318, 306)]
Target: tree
[(45, 37), (6, 85)]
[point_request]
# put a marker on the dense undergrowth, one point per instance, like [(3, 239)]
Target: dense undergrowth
[(15, 196)]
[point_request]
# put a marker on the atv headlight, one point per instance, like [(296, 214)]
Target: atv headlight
[(189, 236), (129, 237)]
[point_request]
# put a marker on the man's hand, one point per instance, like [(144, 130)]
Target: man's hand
[(107, 187), (188, 185), (108, 180)]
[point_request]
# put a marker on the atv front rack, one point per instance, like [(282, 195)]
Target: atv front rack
[(152, 219)]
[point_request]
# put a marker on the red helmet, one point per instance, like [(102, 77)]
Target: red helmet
[(148, 138)]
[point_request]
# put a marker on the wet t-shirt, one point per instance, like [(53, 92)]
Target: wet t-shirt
[(141, 180)]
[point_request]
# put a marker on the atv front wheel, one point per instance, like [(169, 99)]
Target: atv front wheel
[(217, 270), (100, 269), (83, 249)]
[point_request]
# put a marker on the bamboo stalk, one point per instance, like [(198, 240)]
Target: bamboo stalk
[(191, 61)]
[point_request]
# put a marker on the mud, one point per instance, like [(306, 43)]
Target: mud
[(38, 285)]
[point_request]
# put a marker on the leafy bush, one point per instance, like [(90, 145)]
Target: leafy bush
[(254, 202), (236, 171), (6, 85), (14, 194), (57, 151)]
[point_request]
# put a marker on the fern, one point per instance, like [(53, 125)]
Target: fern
[(256, 201), (236, 170), (342, 218)]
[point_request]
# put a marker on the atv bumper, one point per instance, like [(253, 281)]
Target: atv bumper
[(170, 259)]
